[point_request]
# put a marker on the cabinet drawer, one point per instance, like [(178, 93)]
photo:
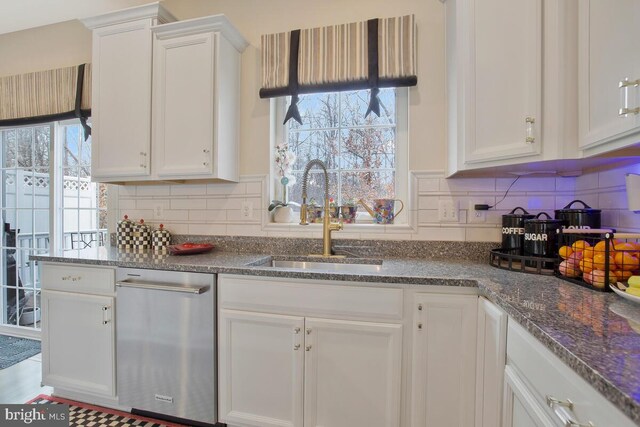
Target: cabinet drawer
[(547, 375), (71, 278), (309, 298)]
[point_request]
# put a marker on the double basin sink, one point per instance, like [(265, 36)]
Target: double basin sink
[(345, 265)]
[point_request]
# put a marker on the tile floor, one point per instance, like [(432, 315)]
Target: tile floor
[(21, 382)]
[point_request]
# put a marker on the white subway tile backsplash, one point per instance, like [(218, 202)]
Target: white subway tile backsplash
[(189, 203), (211, 209), (467, 184), (153, 190), (227, 189), (189, 190)]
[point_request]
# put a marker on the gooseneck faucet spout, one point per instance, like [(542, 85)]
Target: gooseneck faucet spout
[(327, 225)]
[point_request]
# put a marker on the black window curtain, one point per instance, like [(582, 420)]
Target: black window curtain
[(371, 54), (46, 96)]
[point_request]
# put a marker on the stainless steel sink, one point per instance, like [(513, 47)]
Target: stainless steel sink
[(327, 266)]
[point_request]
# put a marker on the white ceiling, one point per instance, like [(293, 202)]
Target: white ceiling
[(16, 15)]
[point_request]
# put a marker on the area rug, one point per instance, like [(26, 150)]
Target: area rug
[(14, 350), (82, 414)]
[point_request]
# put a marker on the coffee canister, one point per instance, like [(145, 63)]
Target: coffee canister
[(513, 230), (540, 238), (584, 218)]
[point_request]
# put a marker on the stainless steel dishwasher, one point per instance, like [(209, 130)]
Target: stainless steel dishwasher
[(165, 339)]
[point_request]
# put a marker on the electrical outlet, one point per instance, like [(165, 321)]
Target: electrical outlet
[(246, 212), (447, 211), (158, 212), (474, 216)]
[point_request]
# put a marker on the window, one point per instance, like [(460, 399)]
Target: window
[(366, 157), (47, 202)]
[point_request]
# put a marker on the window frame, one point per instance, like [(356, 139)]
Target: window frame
[(279, 133)]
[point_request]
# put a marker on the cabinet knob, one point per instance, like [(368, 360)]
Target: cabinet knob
[(205, 151), (308, 331), (420, 326), (308, 348), (419, 307), (296, 347), (296, 330)]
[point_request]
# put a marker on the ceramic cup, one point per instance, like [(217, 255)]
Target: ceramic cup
[(348, 214), (314, 214), (384, 210)]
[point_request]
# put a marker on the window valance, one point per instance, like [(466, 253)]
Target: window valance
[(45, 96), (369, 54)]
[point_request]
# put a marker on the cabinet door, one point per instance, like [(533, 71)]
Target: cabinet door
[(503, 69), (443, 360), (78, 342), (184, 82), (520, 407), (491, 353), (352, 373), (608, 53), (121, 105), (260, 369)]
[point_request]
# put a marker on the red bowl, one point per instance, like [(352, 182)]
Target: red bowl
[(189, 248)]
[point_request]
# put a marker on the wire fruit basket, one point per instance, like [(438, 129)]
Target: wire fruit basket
[(598, 257)]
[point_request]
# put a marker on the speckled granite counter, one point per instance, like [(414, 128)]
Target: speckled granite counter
[(596, 334)]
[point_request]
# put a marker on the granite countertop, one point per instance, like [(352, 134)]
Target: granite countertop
[(597, 334)]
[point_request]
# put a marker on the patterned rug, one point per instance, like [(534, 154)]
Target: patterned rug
[(14, 350), (82, 414)]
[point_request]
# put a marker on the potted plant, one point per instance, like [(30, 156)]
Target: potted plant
[(314, 211), (334, 209), (282, 209), (349, 211)]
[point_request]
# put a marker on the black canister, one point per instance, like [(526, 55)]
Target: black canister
[(540, 239), (513, 230), (581, 219)]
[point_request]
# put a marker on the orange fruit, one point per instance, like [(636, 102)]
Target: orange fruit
[(580, 245), (602, 245), (588, 253), (626, 261), (565, 252), (586, 265), (624, 247), (599, 261)]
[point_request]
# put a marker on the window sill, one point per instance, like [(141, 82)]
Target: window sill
[(355, 228)]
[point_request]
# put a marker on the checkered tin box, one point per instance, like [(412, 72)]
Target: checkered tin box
[(124, 233), (141, 236), (160, 238)]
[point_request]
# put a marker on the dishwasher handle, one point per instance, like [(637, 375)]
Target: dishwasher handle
[(161, 286)]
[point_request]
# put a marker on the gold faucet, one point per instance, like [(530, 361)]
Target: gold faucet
[(327, 225)]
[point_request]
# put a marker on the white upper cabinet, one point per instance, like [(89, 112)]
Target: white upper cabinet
[(608, 55), (165, 97), (196, 87), (121, 91), (507, 65)]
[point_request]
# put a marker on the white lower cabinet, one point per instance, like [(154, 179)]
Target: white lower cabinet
[(78, 342), (78, 333), (298, 369), (491, 358), (541, 391), (352, 373), (443, 360)]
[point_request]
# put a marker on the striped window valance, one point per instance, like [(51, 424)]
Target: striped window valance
[(361, 55), (45, 96)]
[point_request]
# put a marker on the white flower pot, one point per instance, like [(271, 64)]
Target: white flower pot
[(284, 214)]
